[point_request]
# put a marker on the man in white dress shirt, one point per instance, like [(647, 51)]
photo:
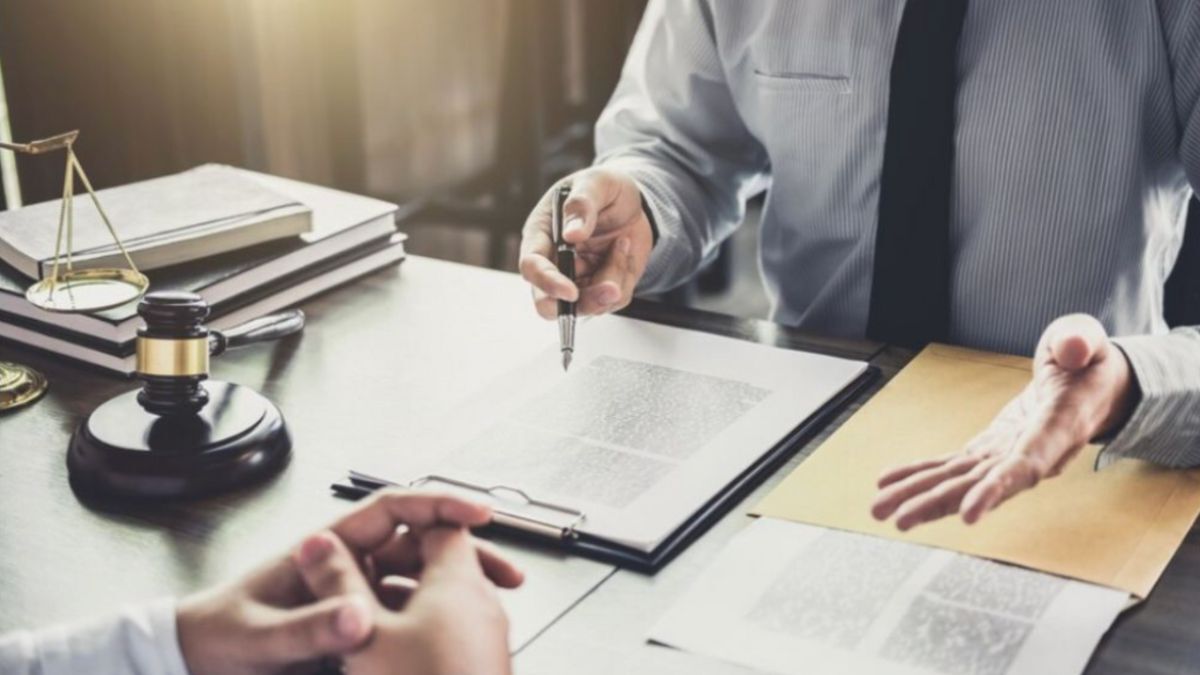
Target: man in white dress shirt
[(1009, 176)]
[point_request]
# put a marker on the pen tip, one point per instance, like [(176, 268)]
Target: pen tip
[(566, 359)]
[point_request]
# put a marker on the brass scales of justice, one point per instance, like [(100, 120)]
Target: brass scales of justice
[(67, 289)]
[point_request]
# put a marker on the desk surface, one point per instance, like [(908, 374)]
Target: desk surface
[(378, 357)]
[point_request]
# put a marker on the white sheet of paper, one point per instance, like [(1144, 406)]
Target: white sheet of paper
[(553, 584), (650, 423), (792, 598)]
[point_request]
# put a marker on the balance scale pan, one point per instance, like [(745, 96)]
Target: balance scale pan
[(89, 290)]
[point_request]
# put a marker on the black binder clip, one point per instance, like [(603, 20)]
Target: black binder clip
[(512, 508)]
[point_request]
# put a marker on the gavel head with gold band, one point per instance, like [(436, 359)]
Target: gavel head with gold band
[(174, 348), (172, 353)]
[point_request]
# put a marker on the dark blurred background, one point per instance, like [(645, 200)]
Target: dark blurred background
[(466, 109)]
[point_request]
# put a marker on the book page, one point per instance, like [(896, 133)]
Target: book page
[(793, 598), (649, 424)]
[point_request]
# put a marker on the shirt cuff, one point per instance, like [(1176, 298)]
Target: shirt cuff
[(141, 640), (162, 616), (1165, 424)]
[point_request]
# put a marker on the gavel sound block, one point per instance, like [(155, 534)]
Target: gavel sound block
[(181, 434)]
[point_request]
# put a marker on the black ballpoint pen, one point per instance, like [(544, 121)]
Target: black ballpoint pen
[(564, 255), (353, 492)]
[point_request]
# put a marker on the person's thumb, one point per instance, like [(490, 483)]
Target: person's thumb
[(328, 568), (1075, 341), (591, 192), (328, 627)]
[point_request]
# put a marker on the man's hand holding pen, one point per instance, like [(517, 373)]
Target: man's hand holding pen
[(604, 221)]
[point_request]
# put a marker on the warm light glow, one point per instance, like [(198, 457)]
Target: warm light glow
[(8, 162)]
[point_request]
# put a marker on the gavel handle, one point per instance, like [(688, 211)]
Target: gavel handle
[(262, 329)]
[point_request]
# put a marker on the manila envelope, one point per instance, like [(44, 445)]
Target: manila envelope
[(1117, 527)]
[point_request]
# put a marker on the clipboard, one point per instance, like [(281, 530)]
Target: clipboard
[(556, 525)]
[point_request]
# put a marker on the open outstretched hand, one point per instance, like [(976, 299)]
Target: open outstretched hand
[(1082, 388)]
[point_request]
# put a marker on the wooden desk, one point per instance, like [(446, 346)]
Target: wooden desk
[(378, 357)]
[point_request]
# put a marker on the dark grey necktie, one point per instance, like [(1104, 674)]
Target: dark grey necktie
[(910, 289)]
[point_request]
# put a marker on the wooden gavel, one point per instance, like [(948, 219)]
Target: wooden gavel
[(180, 435), (174, 348)]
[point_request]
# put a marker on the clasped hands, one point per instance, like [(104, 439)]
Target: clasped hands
[(397, 586)]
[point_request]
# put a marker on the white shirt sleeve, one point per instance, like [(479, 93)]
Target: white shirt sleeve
[(1165, 426), (673, 127), (138, 640)]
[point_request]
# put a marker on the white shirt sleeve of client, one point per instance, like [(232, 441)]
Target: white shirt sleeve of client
[(139, 640)]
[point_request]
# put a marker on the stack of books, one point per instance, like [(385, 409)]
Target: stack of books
[(247, 242)]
